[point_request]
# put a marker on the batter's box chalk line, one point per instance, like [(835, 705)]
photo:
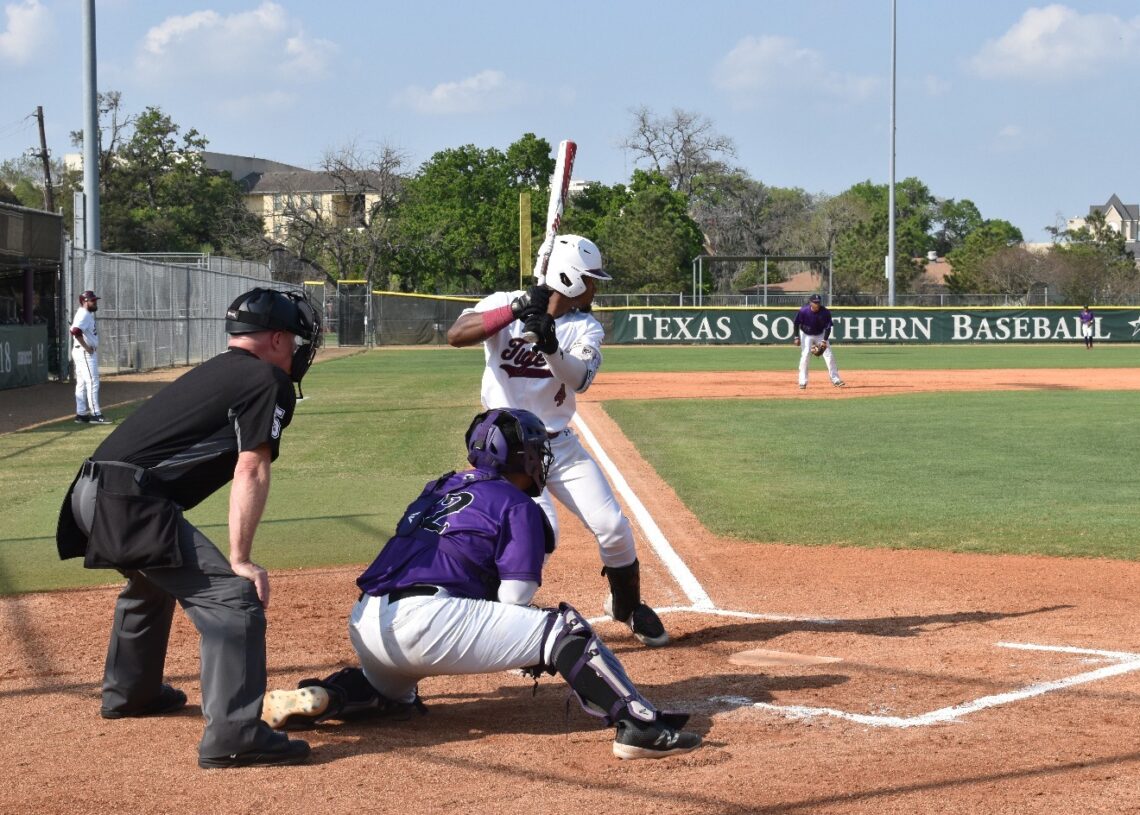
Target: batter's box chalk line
[(1122, 663)]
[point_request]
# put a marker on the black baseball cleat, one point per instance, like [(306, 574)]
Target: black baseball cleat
[(169, 699), (79, 419), (285, 752), (657, 740), (643, 622), (99, 418)]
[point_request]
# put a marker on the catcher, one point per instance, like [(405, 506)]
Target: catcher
[(813, 336), (449, 594)]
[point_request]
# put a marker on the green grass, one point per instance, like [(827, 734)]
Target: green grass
[(868, 357), (987, 472), (1040, 472), (373, 429)]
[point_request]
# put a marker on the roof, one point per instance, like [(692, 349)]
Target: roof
[(294, 181), (1128, 211)]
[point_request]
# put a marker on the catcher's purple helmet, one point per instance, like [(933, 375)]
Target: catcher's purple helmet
[(510, 441)]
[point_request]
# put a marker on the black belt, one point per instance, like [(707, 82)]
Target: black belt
[(412, 591)]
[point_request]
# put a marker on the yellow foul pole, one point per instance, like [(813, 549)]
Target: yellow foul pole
[(526, 258)]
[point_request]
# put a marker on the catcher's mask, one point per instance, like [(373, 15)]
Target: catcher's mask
[(272, 310), (510, 441)]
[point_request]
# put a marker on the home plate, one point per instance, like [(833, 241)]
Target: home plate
[(776, 659)]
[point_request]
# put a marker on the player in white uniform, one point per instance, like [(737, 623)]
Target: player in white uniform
[(543, 378), (85, 361)]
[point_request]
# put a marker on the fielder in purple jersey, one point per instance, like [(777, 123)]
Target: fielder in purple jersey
[(1088, 326), (448, 594), (813, 328)]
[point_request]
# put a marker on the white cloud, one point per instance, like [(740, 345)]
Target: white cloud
[(771, 66), (1009, 132), (486, 91), (1057, 42), (26, 33), (247, 55)]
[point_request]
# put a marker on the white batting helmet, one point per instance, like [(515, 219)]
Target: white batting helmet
[(572, 259)]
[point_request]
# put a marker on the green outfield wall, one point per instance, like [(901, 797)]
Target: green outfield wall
[(762, 326), (23, 355)]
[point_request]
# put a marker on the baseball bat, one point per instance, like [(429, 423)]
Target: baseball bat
[(559, 189)]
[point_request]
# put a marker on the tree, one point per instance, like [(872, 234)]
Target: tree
[(1094, 262), (649, 242), (679, 147), (158, 196), (348, 235), (861, 250), (975, 268), (7, 196), (457, 222), (741, 216), (954, 220)]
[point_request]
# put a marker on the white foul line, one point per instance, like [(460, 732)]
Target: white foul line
[(681, 573), (701, 602), (1127, 663)]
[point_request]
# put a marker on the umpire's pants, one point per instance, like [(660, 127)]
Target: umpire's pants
[(231, 624)]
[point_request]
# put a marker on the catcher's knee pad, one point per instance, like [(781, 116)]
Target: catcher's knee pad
[(596, 677)]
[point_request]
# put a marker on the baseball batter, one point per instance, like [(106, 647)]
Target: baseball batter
[(813, 330), (544, 378), (448, 594), (1088, 326), (85, 361)]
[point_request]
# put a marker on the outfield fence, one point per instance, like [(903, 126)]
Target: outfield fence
[(156, 311)]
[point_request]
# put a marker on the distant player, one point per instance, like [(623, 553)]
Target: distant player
[(544, 378), (449, 592), (85, 361), (813, 328), (1088, 326)]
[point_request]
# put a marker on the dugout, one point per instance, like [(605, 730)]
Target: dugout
[(31, 252)]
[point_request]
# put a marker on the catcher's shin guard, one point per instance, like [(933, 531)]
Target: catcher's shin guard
[(594, 674)]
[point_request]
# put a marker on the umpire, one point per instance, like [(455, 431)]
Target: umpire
[(219, 422)]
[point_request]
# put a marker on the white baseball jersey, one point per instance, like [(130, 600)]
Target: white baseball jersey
[(517, 376), (86, 365), (85, 322)]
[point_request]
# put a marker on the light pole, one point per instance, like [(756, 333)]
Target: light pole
[(891, 194)]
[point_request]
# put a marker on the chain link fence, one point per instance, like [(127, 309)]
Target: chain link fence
[(154, 313)]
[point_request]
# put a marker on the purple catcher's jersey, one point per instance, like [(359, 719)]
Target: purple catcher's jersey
[(465, 533)]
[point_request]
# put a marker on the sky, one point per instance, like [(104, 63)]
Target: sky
[(1027, 109)]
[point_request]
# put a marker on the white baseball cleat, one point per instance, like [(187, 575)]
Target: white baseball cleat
[(297, 709)]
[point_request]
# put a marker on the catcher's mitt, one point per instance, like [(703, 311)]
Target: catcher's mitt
[(817, 348)]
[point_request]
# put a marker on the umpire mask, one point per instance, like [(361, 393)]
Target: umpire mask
[(273, 310)]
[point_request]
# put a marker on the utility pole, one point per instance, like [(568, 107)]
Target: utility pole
[(49, 194)]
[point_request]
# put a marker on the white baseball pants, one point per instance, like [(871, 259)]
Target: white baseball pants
[(400, 643), (86, 367), (806, 341), (579, 484)]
